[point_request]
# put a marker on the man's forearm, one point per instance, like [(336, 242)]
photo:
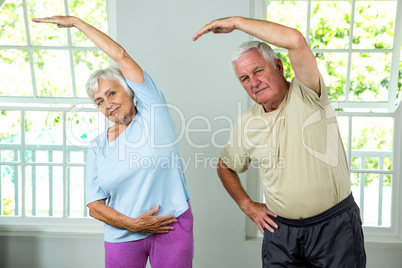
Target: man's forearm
[(273, 33), (232, 184)]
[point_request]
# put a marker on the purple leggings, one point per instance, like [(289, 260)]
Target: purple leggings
[(172, 249)]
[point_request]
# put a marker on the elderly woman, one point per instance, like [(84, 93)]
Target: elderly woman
[(134, 179)]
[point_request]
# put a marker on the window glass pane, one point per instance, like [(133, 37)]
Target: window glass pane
[(386, 200), (374, 24), (399, 88), (371, 163), (369, 78), (46, 34), (44, 191), (37, 195), (29, 207), (85, 63), (77, 202), (12, 26), (333, 68), (16, 81), (343, 122), (9, 155), (56, 180), (288, 71), (377, 196), (289, 13), (356, 164), (372, 133), (387, 164), (10, 130), (43, 128), (93, 12), (53, 73), (330, 24), (82, 128), (9, 193)]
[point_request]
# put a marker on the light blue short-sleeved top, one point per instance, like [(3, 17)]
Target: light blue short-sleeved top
[(141, 168)]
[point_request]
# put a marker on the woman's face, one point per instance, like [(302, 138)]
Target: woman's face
[(114, 101)]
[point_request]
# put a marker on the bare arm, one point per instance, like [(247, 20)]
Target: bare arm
[(257, 212), (300, 54), (146, 223), (127, 65)]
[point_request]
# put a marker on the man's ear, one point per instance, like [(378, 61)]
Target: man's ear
[(279, 65)]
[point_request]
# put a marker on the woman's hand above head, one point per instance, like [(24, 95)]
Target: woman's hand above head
[(60, 21), (127, 65)]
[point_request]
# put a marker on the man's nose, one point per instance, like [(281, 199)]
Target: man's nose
[(254, 82)]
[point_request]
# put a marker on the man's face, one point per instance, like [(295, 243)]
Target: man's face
[(262, 82), (113, 100)]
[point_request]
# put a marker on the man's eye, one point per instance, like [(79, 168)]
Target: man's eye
[(244, 80), (112, 93)]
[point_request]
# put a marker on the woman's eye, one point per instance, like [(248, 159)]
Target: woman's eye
[(100, 103)]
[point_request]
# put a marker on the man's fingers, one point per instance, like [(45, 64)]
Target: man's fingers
[(206, 29), (199, 34), (47, 19), (261, 229)]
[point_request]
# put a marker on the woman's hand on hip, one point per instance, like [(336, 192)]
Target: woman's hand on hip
[(148, 223)]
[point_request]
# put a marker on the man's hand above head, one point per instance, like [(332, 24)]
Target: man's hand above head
[(224, 25)]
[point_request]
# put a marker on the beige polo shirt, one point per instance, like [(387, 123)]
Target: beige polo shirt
[(298, 150)]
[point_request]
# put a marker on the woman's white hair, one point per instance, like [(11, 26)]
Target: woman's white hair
[(265, 50), (112, 73)]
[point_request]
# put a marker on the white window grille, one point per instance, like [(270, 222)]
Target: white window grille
[(47, 119)]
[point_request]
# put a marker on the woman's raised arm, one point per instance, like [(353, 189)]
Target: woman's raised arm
[(117, 53)]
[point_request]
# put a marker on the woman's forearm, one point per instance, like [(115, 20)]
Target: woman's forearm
[(100, 211), (146, 223)]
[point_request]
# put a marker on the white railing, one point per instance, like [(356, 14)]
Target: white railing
[(362, 171), (18, 163)]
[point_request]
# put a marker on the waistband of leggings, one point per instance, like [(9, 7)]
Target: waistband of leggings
[(334, 211)]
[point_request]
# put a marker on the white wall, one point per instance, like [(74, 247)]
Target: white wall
[(196, 77)]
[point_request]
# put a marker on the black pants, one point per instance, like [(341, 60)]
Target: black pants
[(333, 238)]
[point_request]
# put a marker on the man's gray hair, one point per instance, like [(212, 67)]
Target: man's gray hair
[(265, 50), (112, 73)]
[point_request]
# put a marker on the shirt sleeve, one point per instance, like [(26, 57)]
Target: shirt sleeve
[(310, 96), (234, 154), (146, 93), (92, 189)]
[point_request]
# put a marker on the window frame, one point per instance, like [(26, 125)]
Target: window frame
[(37, 226), (378, 236)]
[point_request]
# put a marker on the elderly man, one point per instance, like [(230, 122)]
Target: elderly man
[(310, 218)]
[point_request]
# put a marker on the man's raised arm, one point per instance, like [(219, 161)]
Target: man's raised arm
[(300, 55)]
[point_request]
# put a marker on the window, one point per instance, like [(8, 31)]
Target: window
[(47, 119), (357, 45)]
